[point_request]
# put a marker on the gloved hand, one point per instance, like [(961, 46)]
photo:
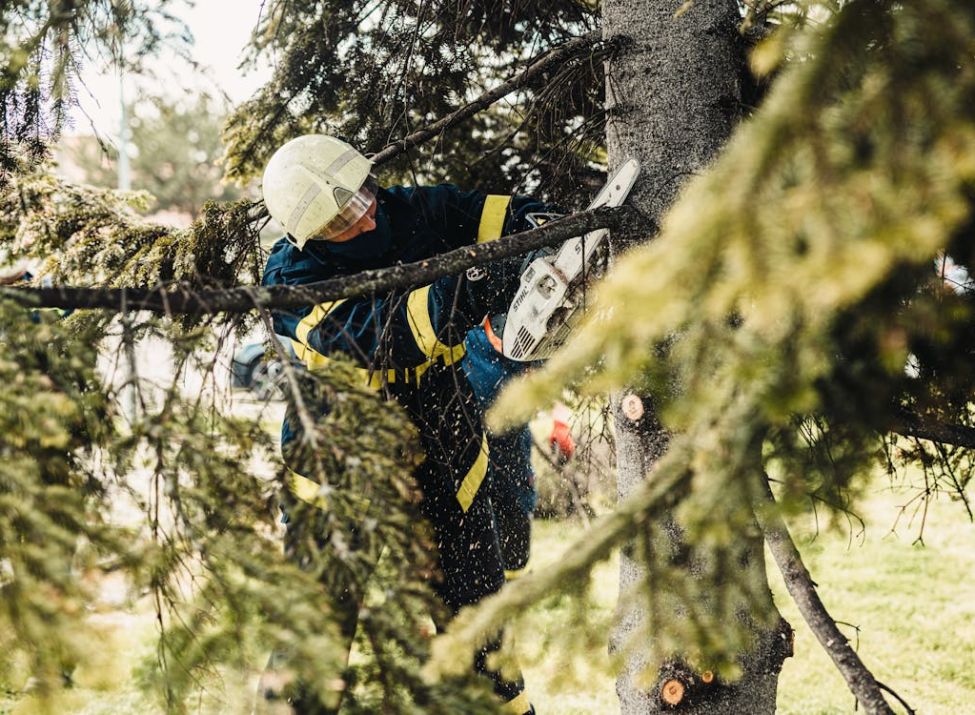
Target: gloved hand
[(560, 441)]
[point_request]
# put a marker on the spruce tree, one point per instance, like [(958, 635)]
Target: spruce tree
[(784, 319)]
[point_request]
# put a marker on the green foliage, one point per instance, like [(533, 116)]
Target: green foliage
[(372, 546), (86, 235), (54, 418), (793, 283), (373, 72), (41, 46), (788, 290), (209, 553), (83, 235), (226, 591)]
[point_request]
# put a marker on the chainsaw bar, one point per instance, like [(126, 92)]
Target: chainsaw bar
[(552, 295)]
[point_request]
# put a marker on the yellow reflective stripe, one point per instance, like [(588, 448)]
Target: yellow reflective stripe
[(305, 489), (475, 475), (418, 317), (316, 316), (314, 360), (454, 354), (421, 369), (492, 217), (514, 574), (518, 705)]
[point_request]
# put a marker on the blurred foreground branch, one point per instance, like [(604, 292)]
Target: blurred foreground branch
[(913, 426)]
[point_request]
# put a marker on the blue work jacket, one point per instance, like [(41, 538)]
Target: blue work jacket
[(397, 335)]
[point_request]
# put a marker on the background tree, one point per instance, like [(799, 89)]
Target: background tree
[(176, 150)]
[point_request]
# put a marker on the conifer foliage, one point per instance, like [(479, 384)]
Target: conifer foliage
[(374, 72), (794, 295), (208, 549), (53, 420), (791, 296)]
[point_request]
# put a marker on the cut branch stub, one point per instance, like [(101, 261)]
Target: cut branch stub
[(672, 692), (632, 407)]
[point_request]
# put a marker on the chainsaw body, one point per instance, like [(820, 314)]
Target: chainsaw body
[(551, 297)]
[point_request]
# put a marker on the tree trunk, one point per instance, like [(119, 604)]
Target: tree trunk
[(673, 97)]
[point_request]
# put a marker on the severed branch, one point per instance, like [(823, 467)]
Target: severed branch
[(182, 298), (553, 58), (860, 680)]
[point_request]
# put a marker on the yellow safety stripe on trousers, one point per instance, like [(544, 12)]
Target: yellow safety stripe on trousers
[(305, 489), (418, 317), (514, 574), (518, 705), (492, 217), (472, 480)]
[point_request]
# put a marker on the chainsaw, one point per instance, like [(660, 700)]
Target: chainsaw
[(552, 293)]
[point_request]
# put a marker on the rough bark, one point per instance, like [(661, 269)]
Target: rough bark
[(673, 97)]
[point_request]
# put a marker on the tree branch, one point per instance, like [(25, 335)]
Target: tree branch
[(858, 678), (910, 425), (553, 58), (182, 298)]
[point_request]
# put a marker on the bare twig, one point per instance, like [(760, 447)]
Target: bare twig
[(907, 706), (858, 677), (181, 298), (554, 58), (304, 416)]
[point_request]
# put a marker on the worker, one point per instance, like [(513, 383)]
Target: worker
[(340, 222), (511, 481)]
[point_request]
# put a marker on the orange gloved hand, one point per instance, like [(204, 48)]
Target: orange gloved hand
[(561, 442)]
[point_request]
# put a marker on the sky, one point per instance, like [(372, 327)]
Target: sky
[(221, 29)]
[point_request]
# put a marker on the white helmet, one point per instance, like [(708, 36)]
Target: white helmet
[(316, 186)]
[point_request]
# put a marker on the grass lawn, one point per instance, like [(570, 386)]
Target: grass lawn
[(915, 606)]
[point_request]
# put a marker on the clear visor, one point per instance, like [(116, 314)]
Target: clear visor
[(348, 215), (354, 210)]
